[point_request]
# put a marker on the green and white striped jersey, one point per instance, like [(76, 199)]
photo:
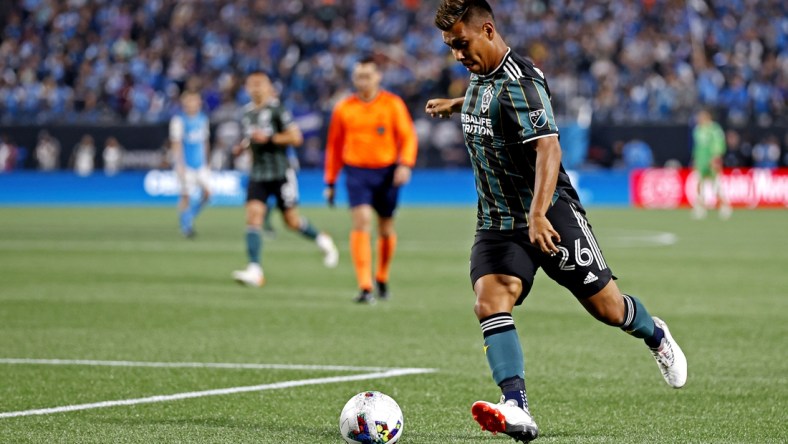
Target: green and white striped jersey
[(269, 160), (503, 112)]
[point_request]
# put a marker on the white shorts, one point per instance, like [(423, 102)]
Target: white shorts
[(191, 179)]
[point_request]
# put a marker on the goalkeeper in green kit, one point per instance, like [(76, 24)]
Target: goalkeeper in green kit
[(708, 147)]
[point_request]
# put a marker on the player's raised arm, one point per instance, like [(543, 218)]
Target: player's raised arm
[(443, 108)]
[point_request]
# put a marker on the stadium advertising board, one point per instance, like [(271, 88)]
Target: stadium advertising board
[(160, 187), (227, 187), (674, 188)]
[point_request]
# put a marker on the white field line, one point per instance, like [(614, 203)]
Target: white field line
[(217, 392), (636, 238), (223, 365)]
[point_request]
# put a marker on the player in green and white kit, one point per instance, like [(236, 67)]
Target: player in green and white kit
[(269, 129), (529, 216), (708, 147)]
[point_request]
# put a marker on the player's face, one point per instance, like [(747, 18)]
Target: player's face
[(366, 78), (472, 45), (259, 87), (192, 104)]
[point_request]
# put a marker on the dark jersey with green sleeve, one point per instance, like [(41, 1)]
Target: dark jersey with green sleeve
[(269, 160), (503, 113)]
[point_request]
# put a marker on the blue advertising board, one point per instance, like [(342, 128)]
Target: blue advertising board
[(160, 187)]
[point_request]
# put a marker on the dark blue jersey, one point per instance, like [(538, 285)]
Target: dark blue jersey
[(502, 114)]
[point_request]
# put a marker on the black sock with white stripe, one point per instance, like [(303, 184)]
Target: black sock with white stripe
[(497, 323), (638, 322)]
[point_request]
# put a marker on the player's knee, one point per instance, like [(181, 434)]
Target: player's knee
[(361, 223), (612, 316), (293, 223), (608, 310), (496, 294), (254, 218), (361, 218), (387, 232), (486, 308)]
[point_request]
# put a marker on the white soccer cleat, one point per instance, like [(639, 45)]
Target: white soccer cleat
[(698, 213), (505, 417), (329, 249), (670, 359), (726, 212), (252, 276)]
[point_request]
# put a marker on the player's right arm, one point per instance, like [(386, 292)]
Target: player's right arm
[(246, 131), (335, 143), (239, 147), (444, 108)]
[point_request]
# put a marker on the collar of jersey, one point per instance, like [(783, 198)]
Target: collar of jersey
[(266, 104), (494, 71)]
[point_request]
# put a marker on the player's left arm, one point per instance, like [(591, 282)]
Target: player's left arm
[(548, 164), (408, 143), (526, 103), (291, 134), (207, 143), (176, 145), (718, 150)]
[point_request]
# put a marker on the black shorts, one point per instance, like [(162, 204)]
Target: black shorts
[(285, 191), (374, 187), (579, 267)]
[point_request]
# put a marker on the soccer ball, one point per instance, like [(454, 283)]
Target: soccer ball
[(371, 418)]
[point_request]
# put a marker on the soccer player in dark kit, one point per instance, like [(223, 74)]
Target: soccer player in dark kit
[(269, 129), (529, 214)]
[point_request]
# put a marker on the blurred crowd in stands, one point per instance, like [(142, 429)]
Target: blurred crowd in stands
[(616, 61)]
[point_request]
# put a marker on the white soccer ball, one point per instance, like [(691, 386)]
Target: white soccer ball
[(371, 418)]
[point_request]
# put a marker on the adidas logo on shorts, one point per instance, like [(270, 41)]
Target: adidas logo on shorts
[(591, 277)]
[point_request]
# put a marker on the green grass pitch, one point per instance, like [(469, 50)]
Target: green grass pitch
[(121, 285)]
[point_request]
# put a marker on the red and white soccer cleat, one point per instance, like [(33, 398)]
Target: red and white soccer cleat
[(505, 417)]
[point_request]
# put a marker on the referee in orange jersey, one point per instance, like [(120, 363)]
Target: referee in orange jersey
[(372, 137)]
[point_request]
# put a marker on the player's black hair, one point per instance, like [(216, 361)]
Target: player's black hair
[(256, 72), (190, 92), (367, 59), (450, 12)]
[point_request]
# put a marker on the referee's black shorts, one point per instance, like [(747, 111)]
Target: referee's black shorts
[(579, 267)]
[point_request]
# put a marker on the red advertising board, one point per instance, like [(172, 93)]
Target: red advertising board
[(674, 187)]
